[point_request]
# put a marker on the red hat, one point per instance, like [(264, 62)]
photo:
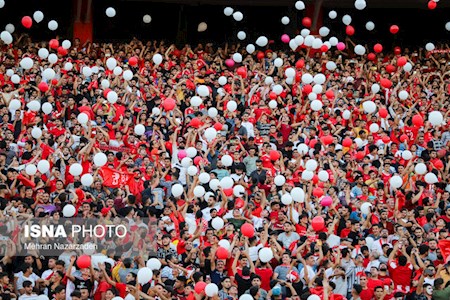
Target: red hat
[(105, 211)]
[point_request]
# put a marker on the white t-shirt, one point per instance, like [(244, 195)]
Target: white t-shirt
[(21, 278)]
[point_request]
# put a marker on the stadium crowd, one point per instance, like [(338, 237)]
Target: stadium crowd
[(235, 178)]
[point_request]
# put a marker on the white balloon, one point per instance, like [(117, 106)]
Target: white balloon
[(156, 111), (333, 41), (429, 46), (238, 190), (196, 101), (227, 160), (241, 35), (396, 181), (202, 27), (68, 66), (273, 104), (192, 170), (43, 166), (360, 4), (52, 25), (226, 182), (302, 148), (346, 19), (420, 168), (299, 5), (69, 211), (262, 41), (14, 104), (312, 97), (309, 39), (299, 40), (293, 45), (228, 11), (53, 58), (214, 184), (217, 223), (265, 254), (139, 129), (203, 91), (110, 12), (435, 118), (365, 208), (447, 26), (323, 175), (100, 159), (87, 180), (358, 142), (307, 78), (213, 112), (36, 132), (250, 48), (83, 118), (238, 16), (75, 169), (210, 133), (246, 297), (431, 178), (286, 199), (211, 289), (34, 105), (278, 62), (307, 175), (317, 43), (177, 190), (279, 180), (66, 44), (370, 25), (319, 78), (154, 264), (375, 88), (157, 59), (199, 191), (277, 89), (360, 50), (87, 71), (369, 107), (127, 75), (146, 19), (204, 178), (26, 63), (144, 275), (112, 97), (285, 20), (331, 65), (407, 155), (10, 28), (231, 106), (6, 37), (346, 114), (15, 79), (317, 89), (316, 105), (324, 31), (298, 195), (111, 63), (311, 165), (407, 67), (374, 127), (47, 108), (237, 57), (268, 80), (290, 80), (305, 32), (9, 72), (105, 83), (31, 169), (38, 16), (403, 95), (117, 71), (48, 74), (332, 14)]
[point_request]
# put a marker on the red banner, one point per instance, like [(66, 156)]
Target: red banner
[(444, 245), (113, 178)]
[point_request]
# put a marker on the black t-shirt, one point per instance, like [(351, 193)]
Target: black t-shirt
[(243, 283), (83, 284)]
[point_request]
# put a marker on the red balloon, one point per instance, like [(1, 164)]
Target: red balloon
[(360, 155), (222, 253), (317, 192), (347, 142), (169, 104), (371, 56), (248, 230), (242, 71), (195, 122), (386, 83), (228, 192), (329, 94), (312, 143), (417, 120), (401, 61), (382, 112), (386, 139), (27, 22), (197, 160), (54, 44), (200, 287), (105, 92), (315, 179), (324, 48), (378, 48), (260, 55), (390, 69), (349, 30), (394, 29), (397, 50), (432, 4), (43, 86), (218, 126), (327, 139), (274, 155), (54, 81), (403, 138), (84, 261), (239, 203), (438, 164), (300, 64), (177, 53), (306, 22), (133, 61), (307, 88), (273, 95), (62, 51), (318, 223)]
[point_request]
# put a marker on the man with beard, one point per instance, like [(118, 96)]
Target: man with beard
[(378, 244), (165, 249)]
